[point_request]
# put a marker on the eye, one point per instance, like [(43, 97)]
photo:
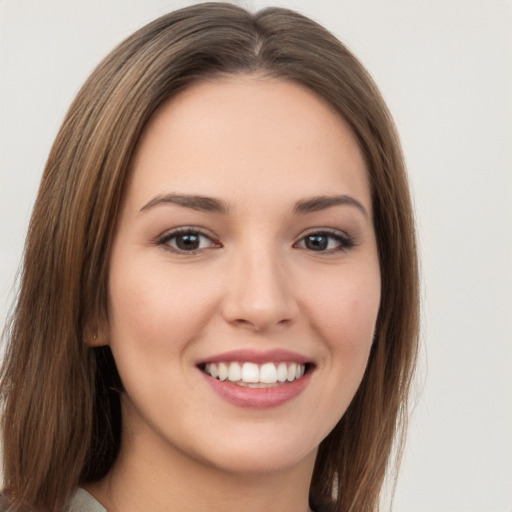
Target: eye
[(326, 241), (187, 240)]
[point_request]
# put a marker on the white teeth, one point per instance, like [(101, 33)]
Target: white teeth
[(282, 370), (251, 373), (214, 370), (234, 372), (292, 370), (223, 371), (268, 373)]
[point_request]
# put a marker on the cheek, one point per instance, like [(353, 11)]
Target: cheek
[(344, 311), (152, 309)]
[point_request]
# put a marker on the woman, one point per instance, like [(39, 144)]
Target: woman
[(218, 307)]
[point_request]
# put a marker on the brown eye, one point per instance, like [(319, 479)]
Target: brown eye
[(316, 242), (187, 241), (325, 241)]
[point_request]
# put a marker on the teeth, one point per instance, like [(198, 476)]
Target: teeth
[(282, 371), (234, 372), (214, 370), (223, 371), (268, 373), (251, 373), (292, 370)]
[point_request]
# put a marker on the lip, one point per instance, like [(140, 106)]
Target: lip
[(258, 398), (257, 356)]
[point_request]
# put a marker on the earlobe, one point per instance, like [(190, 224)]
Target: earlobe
[(96, 335)]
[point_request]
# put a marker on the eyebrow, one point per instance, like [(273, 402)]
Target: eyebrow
[(318, 203), (201, 203), (211, 204)]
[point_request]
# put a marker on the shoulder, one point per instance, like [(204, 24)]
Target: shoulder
[(6, 504), (81, 501)]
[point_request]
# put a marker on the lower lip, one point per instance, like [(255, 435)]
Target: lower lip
[(258, 398)]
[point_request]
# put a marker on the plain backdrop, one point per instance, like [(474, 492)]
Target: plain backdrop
[(445, 69)]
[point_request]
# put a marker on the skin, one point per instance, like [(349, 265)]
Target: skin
[(260, 146)]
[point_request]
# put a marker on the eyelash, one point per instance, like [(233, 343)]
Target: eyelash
[(165, 240), (343, 242)]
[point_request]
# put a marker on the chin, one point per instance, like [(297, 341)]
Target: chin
[(264, 461)]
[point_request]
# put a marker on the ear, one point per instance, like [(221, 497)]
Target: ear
[(96, 334)]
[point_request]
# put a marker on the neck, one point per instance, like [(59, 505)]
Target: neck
[(149, 474)]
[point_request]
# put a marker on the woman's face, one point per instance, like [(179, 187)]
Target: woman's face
[(244, 277)]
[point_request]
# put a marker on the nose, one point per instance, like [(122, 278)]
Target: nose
[(259, 295)]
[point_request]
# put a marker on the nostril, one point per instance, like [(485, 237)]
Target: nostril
[(257, 300), (248, 325), (261, 325)]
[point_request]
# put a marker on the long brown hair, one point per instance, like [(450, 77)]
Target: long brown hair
[(61, 419)]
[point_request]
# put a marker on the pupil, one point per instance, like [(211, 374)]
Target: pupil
[(188, 242), (316, 242)]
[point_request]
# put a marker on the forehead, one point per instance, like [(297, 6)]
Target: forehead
[(247, 135)]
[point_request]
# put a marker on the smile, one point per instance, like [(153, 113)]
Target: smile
[(256, 379), (254, 375)]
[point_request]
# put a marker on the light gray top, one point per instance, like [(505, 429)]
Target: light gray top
[(82, 501)]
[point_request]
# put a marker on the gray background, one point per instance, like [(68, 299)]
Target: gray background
[(445, 68)]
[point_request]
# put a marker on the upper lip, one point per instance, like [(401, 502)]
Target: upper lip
[(257, 356)]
